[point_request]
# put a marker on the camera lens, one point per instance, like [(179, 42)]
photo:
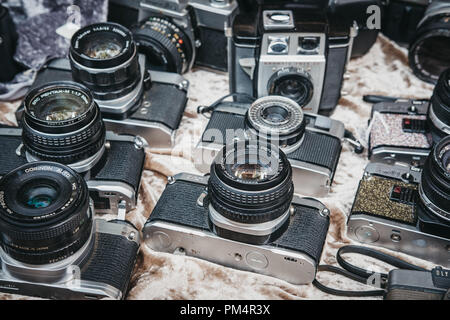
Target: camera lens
[(250, 192), (434, 189), (104, 58), (62, 123), (276, 117), (292, 84), (165, 45), (429, 53), (44, 213), (439, 111)]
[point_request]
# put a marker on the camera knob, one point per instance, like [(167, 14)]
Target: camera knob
[(367, 234), (256, 260)]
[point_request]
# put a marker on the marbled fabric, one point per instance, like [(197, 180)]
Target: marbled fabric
[(383, 71)]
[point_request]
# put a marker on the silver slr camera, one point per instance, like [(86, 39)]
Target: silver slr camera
[(405, 208), (244, 215), (311, 142), (176, 34), (50, 244)]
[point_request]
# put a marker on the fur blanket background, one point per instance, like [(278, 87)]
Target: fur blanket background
[(384, 70)]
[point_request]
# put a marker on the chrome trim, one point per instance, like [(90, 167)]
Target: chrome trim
[(116, 192), (437, 122)]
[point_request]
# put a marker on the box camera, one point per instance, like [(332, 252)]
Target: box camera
[(62, 123), (424, 26), (50, 244), (244, 215), (176, 34), (406, 130), (406, 209), (298, 50), (133, 100), (311, 142)]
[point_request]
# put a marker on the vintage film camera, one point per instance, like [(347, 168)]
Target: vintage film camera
[(406, 209), (62, 123), (132, 99), (424, 25), (311, 142), (50, 244), (244, 215), (296, 49), (176, 34), (405, 130)]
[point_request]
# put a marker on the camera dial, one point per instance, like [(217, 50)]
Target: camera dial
[(250, 191)]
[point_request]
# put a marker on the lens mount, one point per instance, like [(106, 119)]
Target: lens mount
[(165, 45), (276, 117), (429, 52), (292, 83), (62, 123), (44, 213), (104, 58), (434, 188)]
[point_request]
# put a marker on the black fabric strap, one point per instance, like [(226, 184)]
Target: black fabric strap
[(361, 275)]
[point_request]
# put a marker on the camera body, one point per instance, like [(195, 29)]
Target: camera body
[(296, 50), (386, 212), (180, 223), (313, 158), (201, 24), (113, 180), (102, 268), (145, 111)]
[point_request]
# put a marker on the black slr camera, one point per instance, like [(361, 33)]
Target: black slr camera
[(406, 130), (424, 25), (406, 209), (50, 244), (175, 34), (311, 142), (244, 215), (132, 99), (62, 123), (297, 49)]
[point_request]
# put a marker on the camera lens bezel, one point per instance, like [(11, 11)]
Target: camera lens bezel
[(292, 74), (45, 235), (258, 208), (432, 26), (439, 109), (165, 39), (122, 34), (288, 132)]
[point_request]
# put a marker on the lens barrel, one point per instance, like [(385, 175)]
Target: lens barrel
[(62, 123), (429, 52), (439, 111), (434, 189), (292, 83), (250, 184), (104, 58), (44, 213), (276, 118), (165, 45)]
